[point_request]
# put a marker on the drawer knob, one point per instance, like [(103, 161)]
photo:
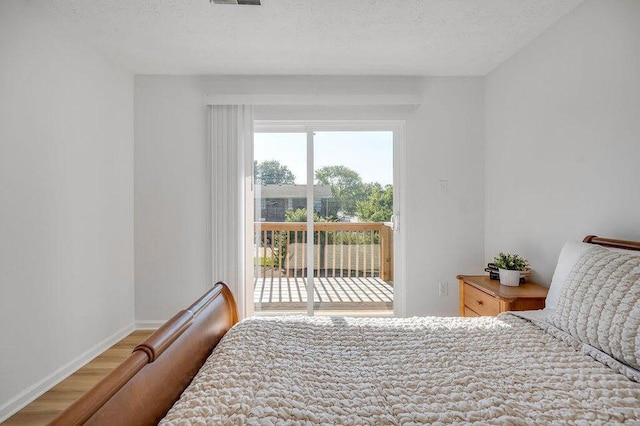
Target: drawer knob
[(480, 302)]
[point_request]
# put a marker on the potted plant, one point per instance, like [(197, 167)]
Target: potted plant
[(510, 267)]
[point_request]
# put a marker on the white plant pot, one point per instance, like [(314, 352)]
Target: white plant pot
[(510, 278)]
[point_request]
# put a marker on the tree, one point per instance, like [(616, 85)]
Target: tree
[(378, 207), (300, 215), (346, 186), (271, 172)]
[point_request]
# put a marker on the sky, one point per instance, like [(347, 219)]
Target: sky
[(368, 153)]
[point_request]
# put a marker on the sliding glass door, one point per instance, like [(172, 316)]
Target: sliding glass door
[(280, 242), (352, 229), (323, 239)]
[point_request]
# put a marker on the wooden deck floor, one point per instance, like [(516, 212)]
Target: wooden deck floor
[(332, 293)]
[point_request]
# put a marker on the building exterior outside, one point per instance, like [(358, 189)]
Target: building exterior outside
[(273, 201)]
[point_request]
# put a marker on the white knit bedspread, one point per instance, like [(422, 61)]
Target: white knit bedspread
[(357, 371)]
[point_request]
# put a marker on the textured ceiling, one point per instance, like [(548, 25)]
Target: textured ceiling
[(373, 37)]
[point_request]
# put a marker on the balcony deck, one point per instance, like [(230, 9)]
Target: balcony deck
[(331, 294)]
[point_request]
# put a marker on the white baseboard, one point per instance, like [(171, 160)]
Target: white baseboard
[(25, 397), (149, 325)]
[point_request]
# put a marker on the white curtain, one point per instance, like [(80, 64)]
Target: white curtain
[(231, 135)]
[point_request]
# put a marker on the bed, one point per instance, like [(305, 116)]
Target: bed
[(576, 362)]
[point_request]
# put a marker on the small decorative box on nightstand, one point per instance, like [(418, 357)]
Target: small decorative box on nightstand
[(481, 296)]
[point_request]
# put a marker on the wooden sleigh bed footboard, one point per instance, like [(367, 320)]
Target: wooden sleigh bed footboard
[(143, 388)]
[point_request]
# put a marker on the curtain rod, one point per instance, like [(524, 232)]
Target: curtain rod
[(314, 99)]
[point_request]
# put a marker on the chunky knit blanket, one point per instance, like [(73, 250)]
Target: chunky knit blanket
[(356, 371)]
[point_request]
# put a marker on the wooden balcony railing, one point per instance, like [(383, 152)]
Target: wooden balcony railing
[(341, 249)]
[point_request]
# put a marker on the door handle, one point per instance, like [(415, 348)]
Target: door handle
[(395, 221)]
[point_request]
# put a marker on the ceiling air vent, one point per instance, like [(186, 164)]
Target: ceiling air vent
[(246, 2)]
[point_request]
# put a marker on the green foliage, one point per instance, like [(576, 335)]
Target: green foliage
[(378, 207), (300, 215), (512, 262), (266, 261), (280, 242), (330, 237), (271, 172), (346, 186), (352, 238)]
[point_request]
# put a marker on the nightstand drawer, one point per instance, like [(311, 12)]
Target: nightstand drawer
[(469, 313), (480, 295), (480, 302)]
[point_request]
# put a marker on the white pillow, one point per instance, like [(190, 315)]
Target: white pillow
[(569, 255)]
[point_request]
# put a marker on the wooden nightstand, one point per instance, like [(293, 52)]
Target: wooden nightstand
[(480, 296)]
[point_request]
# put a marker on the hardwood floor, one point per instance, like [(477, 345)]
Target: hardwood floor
[(50, 404)]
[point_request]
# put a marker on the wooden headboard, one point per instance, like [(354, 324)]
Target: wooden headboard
[(145, 386), (609, 242)]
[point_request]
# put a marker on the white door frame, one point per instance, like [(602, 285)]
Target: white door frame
[(399, 194)]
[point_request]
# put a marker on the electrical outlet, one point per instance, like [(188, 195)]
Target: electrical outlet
[(443, 289), (444, 186)]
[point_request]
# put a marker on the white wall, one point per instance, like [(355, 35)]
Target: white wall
[(66, 203), (563, 136), (444, 141), (172, 199), (445, 232)]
